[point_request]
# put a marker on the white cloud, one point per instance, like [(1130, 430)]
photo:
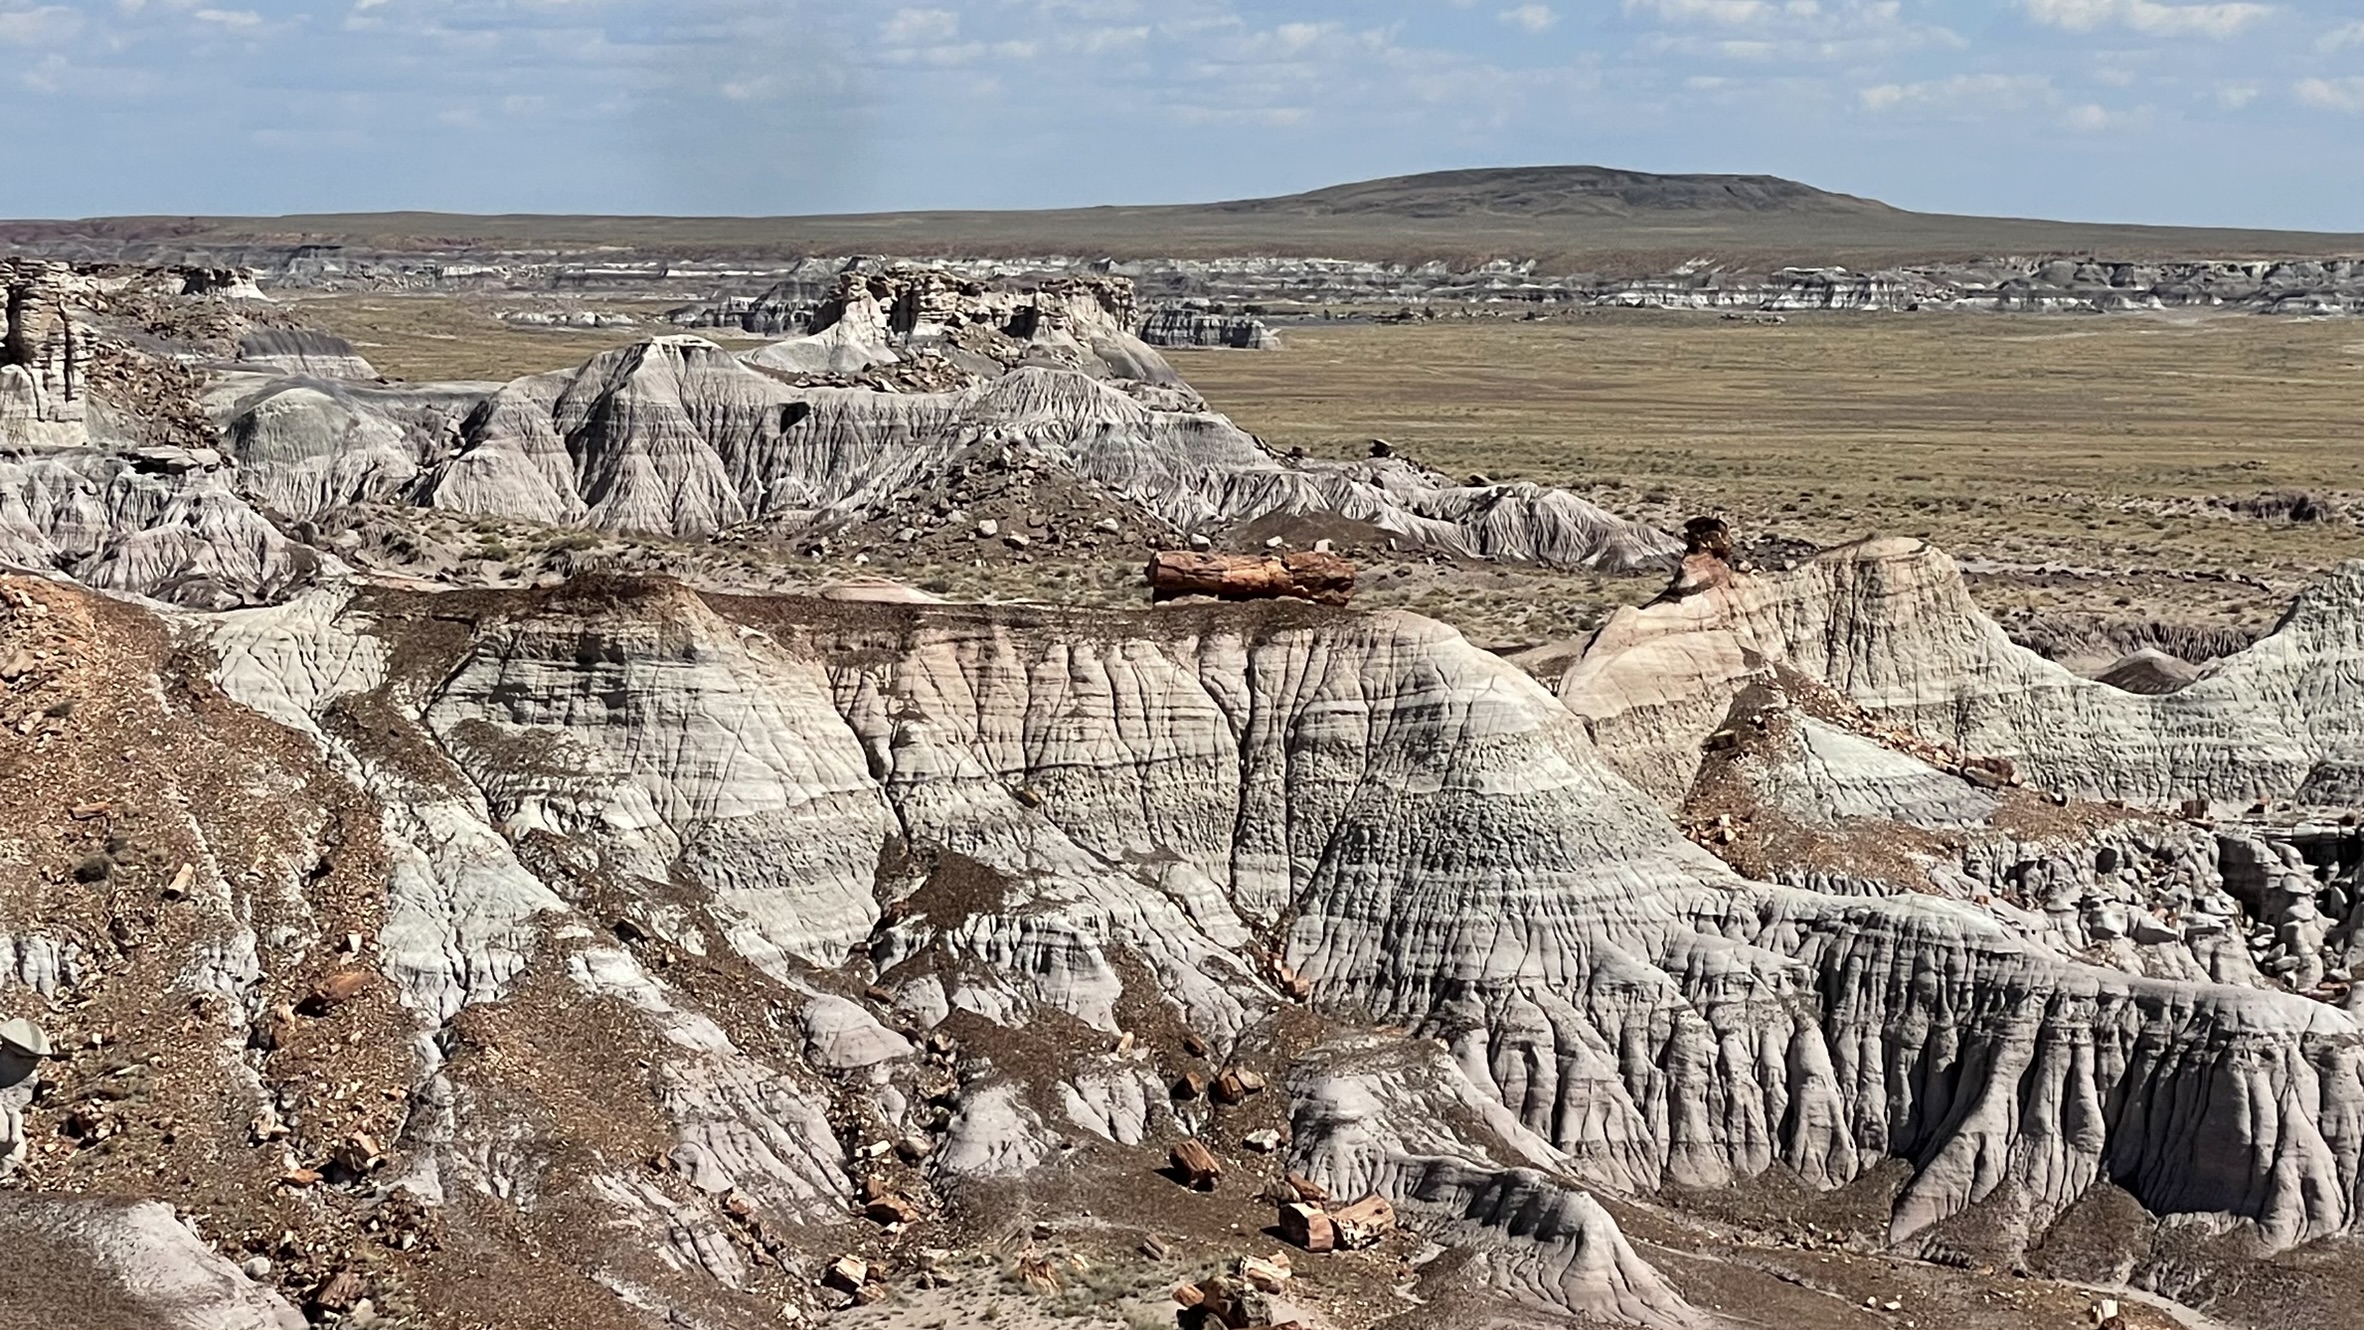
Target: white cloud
[(1104, 41), (1858, 33), (2092, 118), (1295, 37), (1730, 12), (2343, 94), (1271, 117), (920, 27), (964, 53), (47, 76), (1159, 98), (38, 26), (2341, 37), (2147, 16), (1531, 18), (1978, 92)]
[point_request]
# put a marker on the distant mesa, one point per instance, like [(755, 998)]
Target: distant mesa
[(1555, 191), (1563, 219)]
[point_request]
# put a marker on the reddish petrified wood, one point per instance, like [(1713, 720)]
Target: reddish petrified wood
[(1319, 577)]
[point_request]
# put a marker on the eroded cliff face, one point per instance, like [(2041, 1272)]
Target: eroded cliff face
[(110, 470), (1889, 625), (1855, 727), (1186, 326), (849, 873), (44, 384), (769, 295)]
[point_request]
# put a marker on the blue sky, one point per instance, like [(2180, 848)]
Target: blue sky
[(2247, 113)]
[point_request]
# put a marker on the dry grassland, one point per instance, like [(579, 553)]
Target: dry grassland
[(2034, 443), (434, 336)]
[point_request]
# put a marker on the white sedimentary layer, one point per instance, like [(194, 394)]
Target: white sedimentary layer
[(303, 351), (164, 523), (1383, 1115), (146, 1265), (305, 445), (677, 436), (1445, 847), (1890, 625)]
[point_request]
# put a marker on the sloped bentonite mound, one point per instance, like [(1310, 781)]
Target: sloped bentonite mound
[(910, 379), (622, 954)]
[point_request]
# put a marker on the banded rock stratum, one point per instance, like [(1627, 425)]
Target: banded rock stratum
[(641, 953)]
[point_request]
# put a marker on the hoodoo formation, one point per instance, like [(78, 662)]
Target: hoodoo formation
[(412, 904)]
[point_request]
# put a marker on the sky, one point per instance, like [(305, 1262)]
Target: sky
[(2240, 113)]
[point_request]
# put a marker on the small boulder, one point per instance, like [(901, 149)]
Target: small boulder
[(340, 1293), (24, 1038), (1265, 1276), (847, 1274), (334, 991), (1307, 1190), (892, 1208), (359, 1153), (1235, 1085)]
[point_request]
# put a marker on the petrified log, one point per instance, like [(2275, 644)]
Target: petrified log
[(1364, 1223), (1308, 1226), (1196, 1165), (1235, 1085), (1305, 576), (1708, 535)]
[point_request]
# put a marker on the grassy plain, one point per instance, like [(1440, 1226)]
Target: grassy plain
[(436, 336), (2031, 442)]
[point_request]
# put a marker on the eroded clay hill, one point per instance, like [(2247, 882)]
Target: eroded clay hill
[(160, 438), (696, 943)]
